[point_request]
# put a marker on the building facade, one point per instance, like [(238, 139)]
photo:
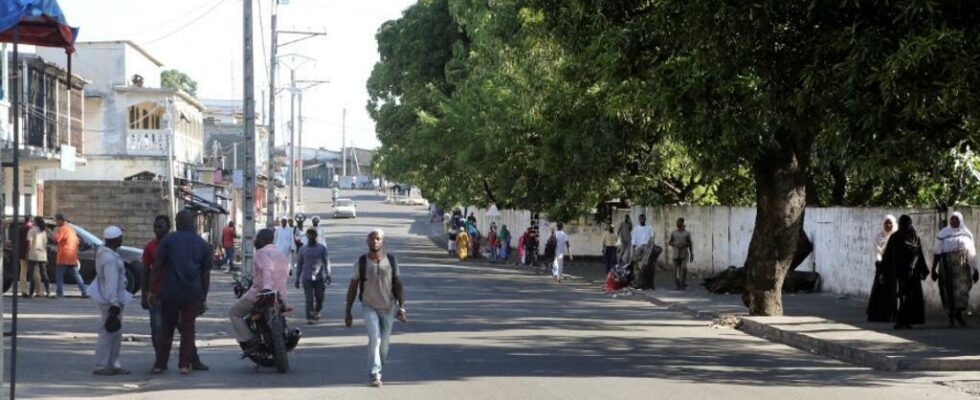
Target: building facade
[(133, 125), (51, 124)]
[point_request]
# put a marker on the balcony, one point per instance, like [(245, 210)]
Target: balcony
[(147, 142)]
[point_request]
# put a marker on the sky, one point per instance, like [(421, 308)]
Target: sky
[(203, 38)]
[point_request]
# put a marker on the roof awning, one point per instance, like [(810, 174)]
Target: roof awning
[(39, 23), (200, 204)]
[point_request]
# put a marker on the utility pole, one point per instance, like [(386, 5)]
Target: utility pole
[(299, 86), (248, 195), (295, 93), (270, 213), (299, 104), (274, 58), (292, 142), (343, 143), (171, 150)]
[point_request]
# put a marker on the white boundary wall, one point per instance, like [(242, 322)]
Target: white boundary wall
[(842, 238)]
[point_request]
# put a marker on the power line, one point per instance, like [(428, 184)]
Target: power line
[(325, 122), (166, 24), (265, 53), (182, 27)]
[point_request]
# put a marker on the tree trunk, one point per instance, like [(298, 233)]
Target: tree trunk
[(780, 201), (839, 193)]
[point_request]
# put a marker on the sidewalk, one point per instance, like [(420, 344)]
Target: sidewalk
[(824, 324), (819, 323)]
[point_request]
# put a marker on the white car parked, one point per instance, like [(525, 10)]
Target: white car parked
[(344, 208)]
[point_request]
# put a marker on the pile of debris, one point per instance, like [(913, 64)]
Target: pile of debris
[(732, 279)]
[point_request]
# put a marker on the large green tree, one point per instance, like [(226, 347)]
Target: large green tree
[(792, 91), (408, 90), (559, 105)]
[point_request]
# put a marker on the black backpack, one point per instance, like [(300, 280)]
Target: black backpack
[(362, 272)]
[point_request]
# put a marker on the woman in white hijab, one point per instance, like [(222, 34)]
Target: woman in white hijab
[(955, 260), (881, 304)]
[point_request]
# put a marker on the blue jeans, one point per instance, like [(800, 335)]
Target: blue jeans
[(230, 257), (59, 279), (314, 290), (378, 323)]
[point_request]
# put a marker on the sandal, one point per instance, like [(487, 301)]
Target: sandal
[(185, 371), (156, 371)]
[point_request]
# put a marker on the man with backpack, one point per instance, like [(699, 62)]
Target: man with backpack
[(378, 285)]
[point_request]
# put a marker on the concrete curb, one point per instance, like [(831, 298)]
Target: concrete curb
[(813, 345), (758, 327)]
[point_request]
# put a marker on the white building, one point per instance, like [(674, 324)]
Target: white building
[(131, 122)]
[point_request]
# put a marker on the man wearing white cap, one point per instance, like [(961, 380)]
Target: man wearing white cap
[(109, 291)]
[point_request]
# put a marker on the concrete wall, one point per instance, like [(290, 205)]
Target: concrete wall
[(843, 239), (106, 64), (138, 63), (103, 168), (94, 205)]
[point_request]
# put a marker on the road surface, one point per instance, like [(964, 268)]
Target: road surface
[(475, 333)]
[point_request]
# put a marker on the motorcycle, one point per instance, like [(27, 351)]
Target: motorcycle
[(268, 324)]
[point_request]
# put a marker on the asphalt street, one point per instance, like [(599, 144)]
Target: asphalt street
[(476, 332)]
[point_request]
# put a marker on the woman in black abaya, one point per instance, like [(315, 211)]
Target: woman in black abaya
[(904, 257), (881, 304)]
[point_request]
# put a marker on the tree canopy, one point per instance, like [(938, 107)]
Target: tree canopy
[(560, 105), (175, 79)]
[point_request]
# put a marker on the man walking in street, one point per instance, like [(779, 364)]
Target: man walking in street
[(111, 296), (284, 238), (313, 272), (609, 242), (377, 281), (271, 273), (680, 241), (161, 226), (228, 236), (183, 264), (562, 248), (67, 257), (321, 231), (643, 253)]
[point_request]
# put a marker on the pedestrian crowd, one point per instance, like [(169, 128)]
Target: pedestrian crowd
[(623, 247), (177, 281)]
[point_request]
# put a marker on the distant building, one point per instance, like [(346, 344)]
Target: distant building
[(224, 138)]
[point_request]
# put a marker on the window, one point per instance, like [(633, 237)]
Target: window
[(145, 115)]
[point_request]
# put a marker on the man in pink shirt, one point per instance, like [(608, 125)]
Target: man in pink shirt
[(271, 273)]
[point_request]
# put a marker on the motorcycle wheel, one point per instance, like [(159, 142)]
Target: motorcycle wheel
[(277, 328), (261, 358)]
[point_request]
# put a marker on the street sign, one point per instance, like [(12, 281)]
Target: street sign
[(238, 178), (68, 157)]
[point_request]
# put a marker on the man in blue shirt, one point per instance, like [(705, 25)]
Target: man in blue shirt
[(313, 270), (183, 262)]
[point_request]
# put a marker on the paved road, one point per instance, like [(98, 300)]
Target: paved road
[(476, 333)]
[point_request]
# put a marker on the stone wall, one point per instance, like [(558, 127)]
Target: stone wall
[(94, 205)]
